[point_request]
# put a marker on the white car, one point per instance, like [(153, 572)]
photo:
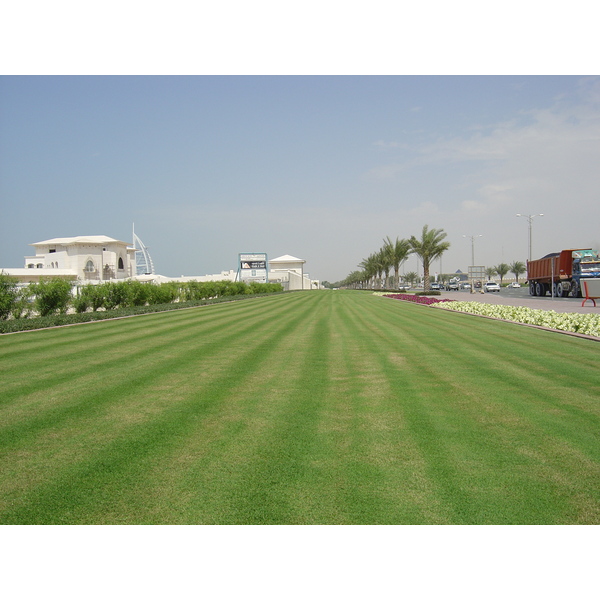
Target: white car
[(491, 286), (514, 284)]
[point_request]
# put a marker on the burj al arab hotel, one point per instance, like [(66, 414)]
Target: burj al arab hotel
[(143, 260)]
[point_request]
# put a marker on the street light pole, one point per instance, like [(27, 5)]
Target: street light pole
[(530, 220), (472, 247)]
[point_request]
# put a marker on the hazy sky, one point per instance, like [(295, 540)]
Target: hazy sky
[(320, 167)]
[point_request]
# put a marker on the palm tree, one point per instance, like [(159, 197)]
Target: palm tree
[(411, 277), (368, 269), (428, 248), (355, 279), (397, 253), (385, 264), (502, 269), (517, 268), (490, 272)]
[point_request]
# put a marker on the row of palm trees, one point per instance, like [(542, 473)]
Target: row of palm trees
[(516, 268), (391, 255), (376, 268)]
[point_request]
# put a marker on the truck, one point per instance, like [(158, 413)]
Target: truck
[(453, 284), (560, 273)]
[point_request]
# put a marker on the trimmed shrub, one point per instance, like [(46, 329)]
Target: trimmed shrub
[(162, 293), (90, 296), (116, 294), (138, 293), (23, 305), (51, 296), (80, 303), (9, 294)]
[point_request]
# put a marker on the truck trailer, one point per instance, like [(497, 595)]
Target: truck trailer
[(561, 273)]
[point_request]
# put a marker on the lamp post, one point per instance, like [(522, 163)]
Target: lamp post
[(530, 221), (472, 247)]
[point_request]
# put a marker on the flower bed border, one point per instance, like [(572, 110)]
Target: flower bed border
[(441, 301), (572, 333)]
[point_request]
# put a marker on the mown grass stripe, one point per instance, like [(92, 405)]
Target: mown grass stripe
[(178, 354), (123, 457), (327, 407), (432, 379)]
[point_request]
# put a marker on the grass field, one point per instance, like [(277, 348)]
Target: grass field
[(306, 408)]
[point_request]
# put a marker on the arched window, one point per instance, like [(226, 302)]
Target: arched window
[(30, 266), (40, 266), (121, 266), (89, 266)]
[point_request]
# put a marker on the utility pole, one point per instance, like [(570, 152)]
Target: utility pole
[(530, 221), (472, 247)]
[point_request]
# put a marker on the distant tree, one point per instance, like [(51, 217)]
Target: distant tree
[(429, 247), (490, 272), (502, 269), (517, 268), (411, 277), (356, 279)]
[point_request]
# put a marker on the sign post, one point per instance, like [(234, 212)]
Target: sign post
[(476, 274), (252, 266)]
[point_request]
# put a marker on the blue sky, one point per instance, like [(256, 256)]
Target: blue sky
[(320, 167)]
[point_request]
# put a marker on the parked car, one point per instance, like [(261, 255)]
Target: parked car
[(436, 286), (465, 286), (491, 286), (403, 287), (453, 285), (514, 284)]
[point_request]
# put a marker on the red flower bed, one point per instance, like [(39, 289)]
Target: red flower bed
[(417, 299)]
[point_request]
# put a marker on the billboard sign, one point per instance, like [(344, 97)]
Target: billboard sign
[(253, 267)]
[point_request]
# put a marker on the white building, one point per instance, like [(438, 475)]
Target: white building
[(86, 258), (289, 271), (98, 258), (230, 275)]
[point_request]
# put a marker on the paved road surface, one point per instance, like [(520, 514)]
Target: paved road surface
[(521, 297)]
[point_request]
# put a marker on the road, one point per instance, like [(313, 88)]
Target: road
[(520, 297)]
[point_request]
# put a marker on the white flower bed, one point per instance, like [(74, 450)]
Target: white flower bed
[(588, 324)]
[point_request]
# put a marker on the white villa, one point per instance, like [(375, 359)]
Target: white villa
[(87, 258)]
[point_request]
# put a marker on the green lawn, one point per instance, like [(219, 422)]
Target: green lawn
[(305, 408)]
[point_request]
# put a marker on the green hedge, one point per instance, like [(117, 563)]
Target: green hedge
[(55, 320), (52, 299)]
